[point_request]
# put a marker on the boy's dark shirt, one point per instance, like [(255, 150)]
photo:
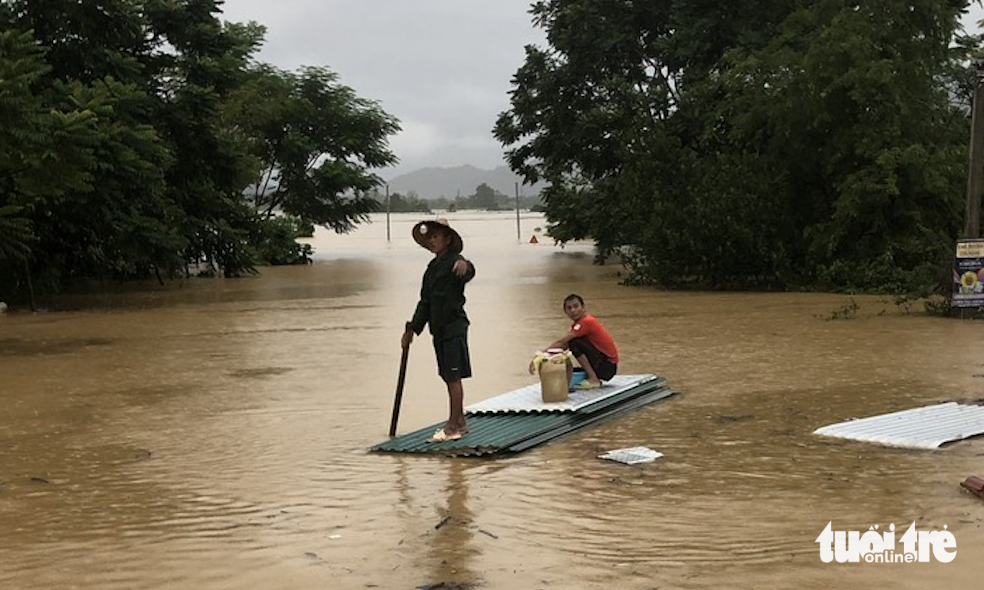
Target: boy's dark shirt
[(442, 298)]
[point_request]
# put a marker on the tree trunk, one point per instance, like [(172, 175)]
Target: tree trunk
[(30, 285)]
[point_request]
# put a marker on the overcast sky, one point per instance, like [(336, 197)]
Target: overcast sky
[(442, 67)]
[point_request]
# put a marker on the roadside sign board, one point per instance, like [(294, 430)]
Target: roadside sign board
[(968, 274)]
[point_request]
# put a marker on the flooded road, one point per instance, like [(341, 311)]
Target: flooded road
[(213, 434)]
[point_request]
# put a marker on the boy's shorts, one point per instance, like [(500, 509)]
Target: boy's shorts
[(453, 361), (602, 365)]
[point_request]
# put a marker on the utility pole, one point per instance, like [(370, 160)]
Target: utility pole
[(518, 235), (975, 175), (387, 212)]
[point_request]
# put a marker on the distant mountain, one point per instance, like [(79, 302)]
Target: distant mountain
[(433, 183)]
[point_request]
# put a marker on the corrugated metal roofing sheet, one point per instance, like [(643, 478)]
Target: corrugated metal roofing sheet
[(586, 420), (919, 428), (529, 399), (510, 432)]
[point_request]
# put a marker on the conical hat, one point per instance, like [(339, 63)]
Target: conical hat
[(422, 231)]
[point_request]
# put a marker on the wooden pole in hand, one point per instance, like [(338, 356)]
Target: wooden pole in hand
[(399, 384)]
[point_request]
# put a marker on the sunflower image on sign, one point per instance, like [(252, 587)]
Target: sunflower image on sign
[(970, 283)]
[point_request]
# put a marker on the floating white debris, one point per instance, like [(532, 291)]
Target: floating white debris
[(632, 455), (919, 428)]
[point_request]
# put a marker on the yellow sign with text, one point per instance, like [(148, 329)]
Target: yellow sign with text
[(969, 249)]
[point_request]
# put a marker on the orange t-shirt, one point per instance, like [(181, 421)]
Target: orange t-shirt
[(590, 328)]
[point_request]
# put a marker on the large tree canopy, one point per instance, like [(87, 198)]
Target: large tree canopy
[(316, 142), (125, 150), (782, 144)]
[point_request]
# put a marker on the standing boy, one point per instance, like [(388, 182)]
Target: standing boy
[(442, 306), (590, 343)]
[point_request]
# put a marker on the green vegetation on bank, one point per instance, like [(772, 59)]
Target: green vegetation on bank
[(138, 137), (806, 145), (485, 198)]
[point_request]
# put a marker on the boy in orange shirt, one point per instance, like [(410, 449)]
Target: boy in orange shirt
[(590, 343)]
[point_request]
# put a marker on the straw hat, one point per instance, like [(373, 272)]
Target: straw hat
[(422, 231)]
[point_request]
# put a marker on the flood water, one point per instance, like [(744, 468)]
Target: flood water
[(213, 434)]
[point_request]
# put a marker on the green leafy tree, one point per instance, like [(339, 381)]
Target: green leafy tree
[(316, 143), (405, 204), (485, 197), (210, 166), (748, 143), (165, 175), (125, 149), (866, 126), (46, 153), (276, 242), (15, 235), (94, 220)]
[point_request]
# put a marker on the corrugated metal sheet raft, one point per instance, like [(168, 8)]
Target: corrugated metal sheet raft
[(518, 420), (528, 400), (919, 428)]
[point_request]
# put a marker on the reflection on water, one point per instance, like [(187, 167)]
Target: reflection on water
[(213, 433)]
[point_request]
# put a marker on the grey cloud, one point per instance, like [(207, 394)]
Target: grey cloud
[(443, 67)]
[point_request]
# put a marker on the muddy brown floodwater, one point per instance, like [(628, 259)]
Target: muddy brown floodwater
[(213, 434)]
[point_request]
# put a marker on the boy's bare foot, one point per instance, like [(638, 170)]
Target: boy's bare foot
[(445, 434)]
